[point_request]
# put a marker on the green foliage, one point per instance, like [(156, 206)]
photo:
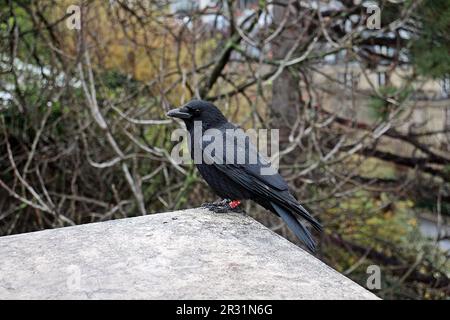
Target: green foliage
[(24, 25), (385, 228), (380, 107), (375, 218), (116, 80), (430, 50)]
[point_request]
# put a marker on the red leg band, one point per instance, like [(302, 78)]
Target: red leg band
[(234, 204)]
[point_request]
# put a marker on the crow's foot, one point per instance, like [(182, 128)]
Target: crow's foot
[(224, 206), (216, 203)]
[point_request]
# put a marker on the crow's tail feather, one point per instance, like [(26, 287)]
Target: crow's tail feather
[(297, 227), (302, 212)]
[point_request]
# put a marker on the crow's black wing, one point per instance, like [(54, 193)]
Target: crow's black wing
[(238, 151), (260, 178)]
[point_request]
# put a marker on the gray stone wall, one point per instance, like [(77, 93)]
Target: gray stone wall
[(190, 254)]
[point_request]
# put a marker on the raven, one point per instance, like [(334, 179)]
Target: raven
[(235, 180)]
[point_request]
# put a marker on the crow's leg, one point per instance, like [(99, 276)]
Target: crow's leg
[(223, 206), (220, 202), (235, 206)]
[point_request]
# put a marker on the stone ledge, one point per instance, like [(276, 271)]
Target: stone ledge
[(189, 254)]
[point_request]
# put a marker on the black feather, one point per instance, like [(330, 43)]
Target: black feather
[(297, 227)]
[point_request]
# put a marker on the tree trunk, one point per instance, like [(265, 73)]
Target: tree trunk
[(286, 95)]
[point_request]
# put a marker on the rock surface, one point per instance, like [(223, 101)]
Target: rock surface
[(189, 254)]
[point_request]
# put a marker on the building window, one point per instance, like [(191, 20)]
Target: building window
[(348, 79)]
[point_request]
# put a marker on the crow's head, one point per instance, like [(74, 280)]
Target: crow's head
[(199, 110)]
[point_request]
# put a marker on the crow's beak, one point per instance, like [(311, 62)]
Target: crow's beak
[(181, 113)]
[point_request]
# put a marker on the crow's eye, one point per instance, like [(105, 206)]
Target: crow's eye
[(197, 111)]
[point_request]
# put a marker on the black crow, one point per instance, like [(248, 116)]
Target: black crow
[(238, 171)]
